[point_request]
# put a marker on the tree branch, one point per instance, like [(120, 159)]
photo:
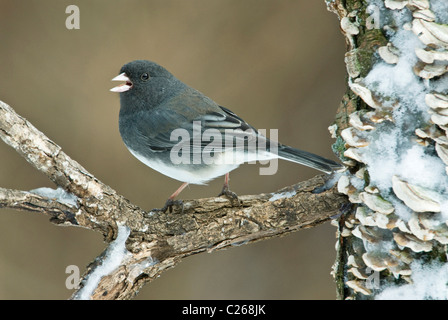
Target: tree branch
[(23, 200), (148, 244)]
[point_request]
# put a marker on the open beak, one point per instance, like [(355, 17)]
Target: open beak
[(124, 86)]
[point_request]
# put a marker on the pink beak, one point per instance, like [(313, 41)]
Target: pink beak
[(122, 87)]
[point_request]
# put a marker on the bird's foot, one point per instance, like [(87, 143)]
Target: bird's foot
[(169, 204), (232, 196)]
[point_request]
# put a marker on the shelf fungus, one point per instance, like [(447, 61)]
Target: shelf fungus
[(412, 242), (424, 14), (365, 94), (396, 4), (437, 100), (354, 137), (359, 122), (389, 53), (431, 33), (359, 286), (417, 198), (376, 202), (348, 26), (429, 56), (429, 71)]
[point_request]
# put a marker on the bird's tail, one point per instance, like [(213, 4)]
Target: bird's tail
[(308, 159)]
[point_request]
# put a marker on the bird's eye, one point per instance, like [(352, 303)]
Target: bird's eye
[(144, 76)]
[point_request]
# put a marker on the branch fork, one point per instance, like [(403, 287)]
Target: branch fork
[(142, 245)]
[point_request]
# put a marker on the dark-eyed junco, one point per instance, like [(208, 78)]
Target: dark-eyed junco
[(185, 135)]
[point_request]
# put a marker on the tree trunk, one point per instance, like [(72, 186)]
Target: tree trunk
[(391, 132)]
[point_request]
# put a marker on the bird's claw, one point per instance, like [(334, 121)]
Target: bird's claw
[(169, 205), (232, 196)]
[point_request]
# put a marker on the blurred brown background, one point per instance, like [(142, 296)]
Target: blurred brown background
[(276, 63)]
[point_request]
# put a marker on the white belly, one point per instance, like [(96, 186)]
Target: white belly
[(181, 173)]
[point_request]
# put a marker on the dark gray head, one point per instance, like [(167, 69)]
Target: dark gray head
[(146, 85)]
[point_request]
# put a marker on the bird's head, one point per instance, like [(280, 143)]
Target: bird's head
[(145, 81)]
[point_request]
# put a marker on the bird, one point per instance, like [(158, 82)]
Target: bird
[(163, 122)]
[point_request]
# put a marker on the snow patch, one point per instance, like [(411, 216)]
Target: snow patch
[(58, 194), (115, 254), (282, 195), (440, 9), (392, 149), (430, 282)]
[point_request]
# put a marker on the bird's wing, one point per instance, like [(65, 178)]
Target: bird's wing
[(214, 126), (233, 131)]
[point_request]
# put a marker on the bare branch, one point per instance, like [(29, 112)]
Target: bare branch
[(155, 242), (46, 156), (23, 200), (98, 202), (212, 224)]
